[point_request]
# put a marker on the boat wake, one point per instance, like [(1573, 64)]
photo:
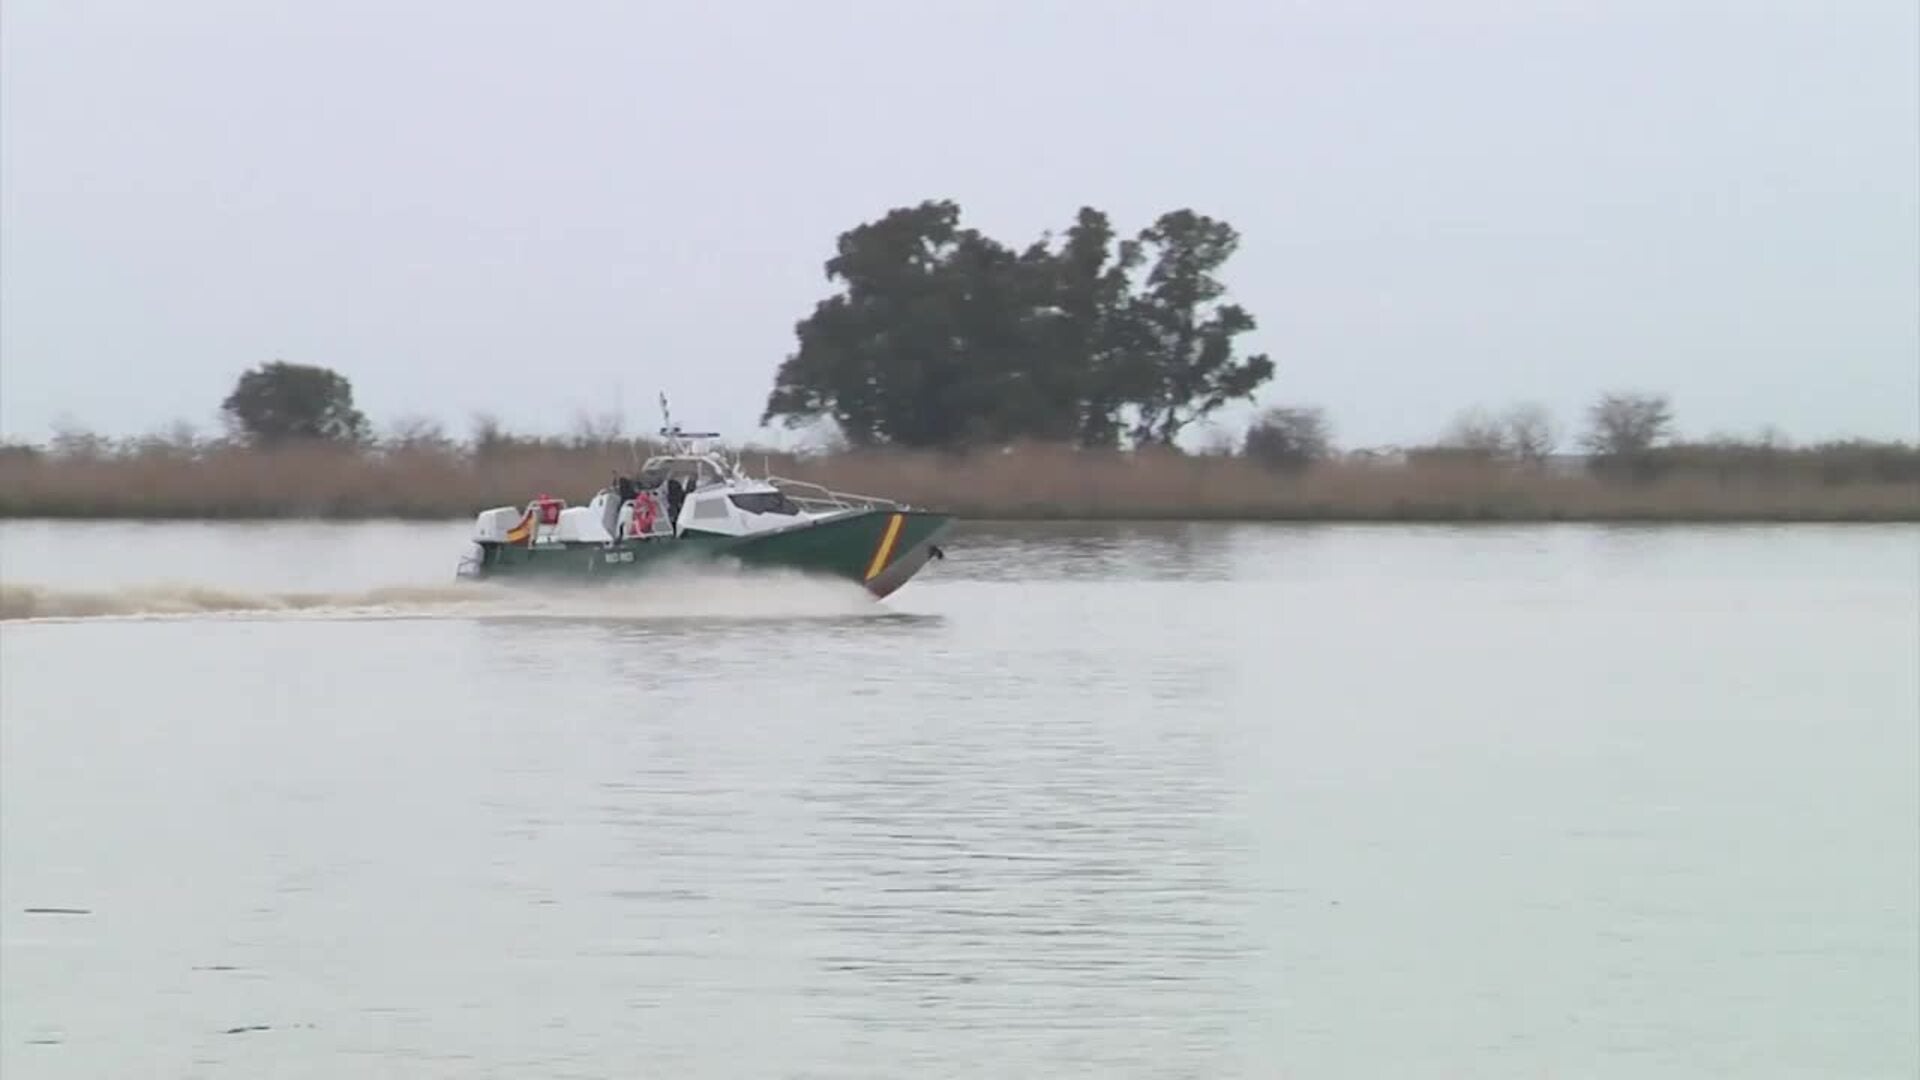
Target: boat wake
[(735, 595), (34, 602)]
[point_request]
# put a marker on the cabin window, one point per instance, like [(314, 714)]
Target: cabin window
[(765, 502), (709, 508)]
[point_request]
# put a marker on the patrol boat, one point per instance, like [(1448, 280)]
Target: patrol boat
[(691, 504)]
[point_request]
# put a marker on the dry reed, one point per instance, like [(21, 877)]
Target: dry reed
[(1021, 483)]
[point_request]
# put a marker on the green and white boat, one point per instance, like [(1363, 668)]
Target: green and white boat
[(694, 504)]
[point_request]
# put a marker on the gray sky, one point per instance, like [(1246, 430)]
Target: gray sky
[(519, 208)]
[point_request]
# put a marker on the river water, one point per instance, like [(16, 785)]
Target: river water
[(1115, 800)]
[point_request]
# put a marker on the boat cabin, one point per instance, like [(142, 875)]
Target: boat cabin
[(673, 495), (689, 489)]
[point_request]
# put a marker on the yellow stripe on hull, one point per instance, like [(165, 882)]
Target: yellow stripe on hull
[(885, 550)]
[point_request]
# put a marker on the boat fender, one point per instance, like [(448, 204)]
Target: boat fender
[(934, 550)]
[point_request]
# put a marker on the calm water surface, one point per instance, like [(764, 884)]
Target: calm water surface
[(1082, 800)]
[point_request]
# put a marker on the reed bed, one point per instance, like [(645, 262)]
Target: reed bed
[(1019, 483)]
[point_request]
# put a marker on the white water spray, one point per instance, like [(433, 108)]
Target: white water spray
[(703, 595)]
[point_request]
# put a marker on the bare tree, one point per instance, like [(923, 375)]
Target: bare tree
[(490, 436), (1474, 431), (70, 440), (417, 433), (596, 430), (1531, 434), (1627, 425), (1289, 437), (176, 440)]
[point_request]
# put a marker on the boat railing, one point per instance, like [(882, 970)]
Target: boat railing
[(818, 497)]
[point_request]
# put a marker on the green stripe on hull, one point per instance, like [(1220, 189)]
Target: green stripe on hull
[(866, 548)]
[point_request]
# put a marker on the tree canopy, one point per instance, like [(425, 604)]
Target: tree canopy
[(1626, 425), (942, 336), (1289, 437), (281, 402)]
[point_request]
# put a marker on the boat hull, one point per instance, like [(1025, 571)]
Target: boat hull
[(876, 549)]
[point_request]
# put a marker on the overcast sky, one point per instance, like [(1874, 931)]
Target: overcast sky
[(527, 208)]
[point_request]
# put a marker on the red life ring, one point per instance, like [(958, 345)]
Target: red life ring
[(644, 511)]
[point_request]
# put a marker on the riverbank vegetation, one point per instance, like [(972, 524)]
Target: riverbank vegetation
[(1277, 472), (1052, 380)]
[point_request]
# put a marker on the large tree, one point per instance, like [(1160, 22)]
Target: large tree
[(281, 402), (1179, 344), (1087, 328), (941, 336), (893, 356)]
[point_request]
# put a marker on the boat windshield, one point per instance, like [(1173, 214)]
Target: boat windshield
[(765, 502), (701, 472)]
